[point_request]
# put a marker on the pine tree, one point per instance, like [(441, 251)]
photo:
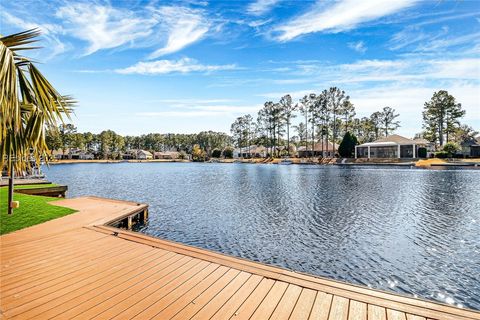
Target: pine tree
[(441, 117)]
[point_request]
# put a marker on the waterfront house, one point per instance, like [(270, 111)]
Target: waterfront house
[(393, 146), (144, 155), (319, 150), (471, 147), (72, 153), (250, 152), (166, 155)]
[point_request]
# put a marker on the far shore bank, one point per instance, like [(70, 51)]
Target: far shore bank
[(422, 163)]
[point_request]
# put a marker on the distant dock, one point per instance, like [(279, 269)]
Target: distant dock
[(80, 266)]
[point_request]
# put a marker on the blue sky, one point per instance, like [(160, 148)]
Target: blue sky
[(186, 66)]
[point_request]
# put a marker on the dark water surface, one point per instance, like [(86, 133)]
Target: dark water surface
[(414, 232)]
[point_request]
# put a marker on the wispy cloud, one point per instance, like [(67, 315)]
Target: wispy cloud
[(103, 26), (358, 46), (260, 7), (183, 65), (50, 31), (184, 26), (338, 16)]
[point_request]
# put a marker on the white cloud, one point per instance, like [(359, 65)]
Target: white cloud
[(107, 27), (184, 65), (184, 26), (104, 27), (358, 46), (49, 32), (260, 7), (339, 16)]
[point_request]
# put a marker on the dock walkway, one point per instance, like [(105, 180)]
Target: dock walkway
[(79, 267)]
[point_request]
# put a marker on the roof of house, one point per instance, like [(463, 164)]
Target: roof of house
[(327, 146), (471, 142), (145, 152), (391, 140), (167, 153)]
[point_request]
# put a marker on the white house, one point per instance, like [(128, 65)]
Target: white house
[(393, 146), (144, 155)]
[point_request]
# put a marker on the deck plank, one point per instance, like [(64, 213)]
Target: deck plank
[(287, 303), (321, 307), (229, 308), (304, 305), (77, 267), (195, 305), (376, 313), (268, 305), (249, 306)]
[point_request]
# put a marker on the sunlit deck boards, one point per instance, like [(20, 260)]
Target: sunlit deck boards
[(77, 268)]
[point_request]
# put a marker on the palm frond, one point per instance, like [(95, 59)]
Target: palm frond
[(28, 103)]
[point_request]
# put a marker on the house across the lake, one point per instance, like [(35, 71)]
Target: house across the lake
[(471, 147), (166, 155), (393, 146), (250, 152), (144, 155), (325, 150)]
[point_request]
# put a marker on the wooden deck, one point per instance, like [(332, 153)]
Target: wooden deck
[(77, 267)]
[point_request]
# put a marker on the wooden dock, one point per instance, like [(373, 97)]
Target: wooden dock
[(80, 267)]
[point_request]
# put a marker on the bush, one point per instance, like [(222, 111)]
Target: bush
[(182, 155), (450, 148), (228, 153), (216, 153), (422, 152), (441, 154), (347, 146), (198, 154)]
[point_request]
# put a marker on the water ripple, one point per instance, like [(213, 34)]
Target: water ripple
[(413, 232)]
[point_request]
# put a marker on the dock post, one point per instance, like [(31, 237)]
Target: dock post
[(129, 223), (145, 215)]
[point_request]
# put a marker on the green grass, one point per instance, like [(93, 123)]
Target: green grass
[(33, 209)]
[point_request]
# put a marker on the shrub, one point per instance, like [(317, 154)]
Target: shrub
[(182, 155), (198, 154), (450, 148), (228, 153), (422, 152), (347, 146), (216, 153), (441, 154)]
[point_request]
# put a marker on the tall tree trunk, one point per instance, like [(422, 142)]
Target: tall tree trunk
[(334, 129), (306, 132), (322, 137), (288, 138)]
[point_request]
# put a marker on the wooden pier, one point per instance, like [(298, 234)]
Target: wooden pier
[(80, 266)]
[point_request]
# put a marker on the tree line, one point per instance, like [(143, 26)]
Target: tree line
[(110, 145), (325, 117)]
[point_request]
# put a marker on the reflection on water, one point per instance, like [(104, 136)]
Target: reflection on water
[(411, 231)]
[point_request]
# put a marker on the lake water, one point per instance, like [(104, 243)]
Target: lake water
[(414, 232)]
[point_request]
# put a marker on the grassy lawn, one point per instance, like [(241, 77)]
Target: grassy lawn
[(33, 209)]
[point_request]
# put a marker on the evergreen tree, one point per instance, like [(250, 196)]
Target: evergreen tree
[(347, 146), (441, 117), (387, 120)]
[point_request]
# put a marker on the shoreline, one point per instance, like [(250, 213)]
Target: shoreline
[(417, 163)]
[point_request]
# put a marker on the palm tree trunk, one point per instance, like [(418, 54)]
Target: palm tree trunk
[(10, 186)]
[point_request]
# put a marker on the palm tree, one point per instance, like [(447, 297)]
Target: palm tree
[(28, 105)]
